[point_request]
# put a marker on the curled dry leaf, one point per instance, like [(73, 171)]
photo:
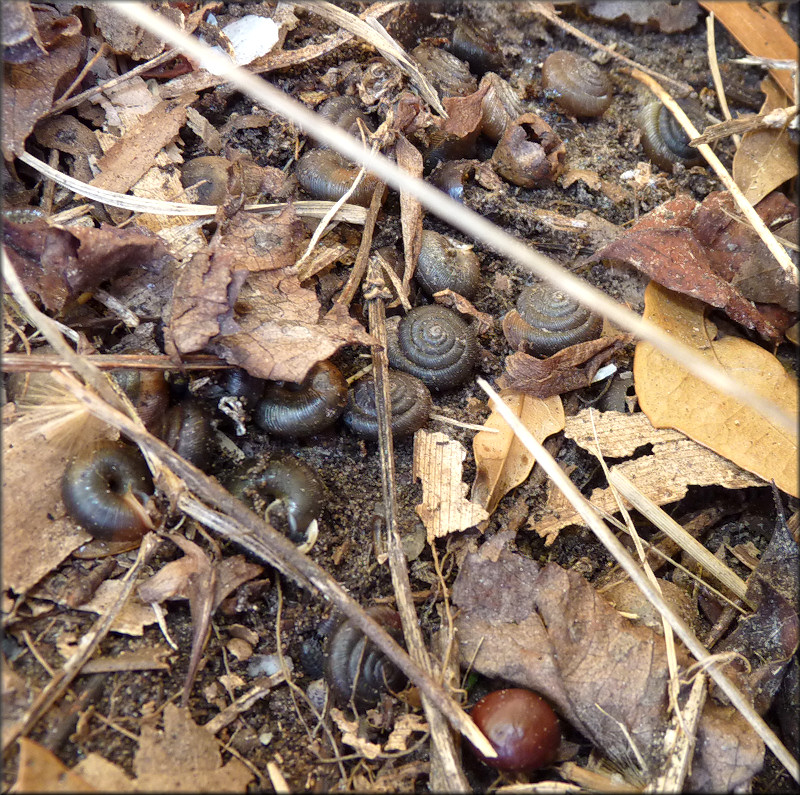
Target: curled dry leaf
[(501, 460), (444, 508), (671, 398), (547, 629), (452, 300), (571, 368)]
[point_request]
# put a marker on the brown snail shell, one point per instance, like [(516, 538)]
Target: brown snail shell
[(288, 410), (344, 113), (434, 344), (411, 405), (147, 390), (450, 76), (577, 85), (547, 320), (499, 106), (326, 175), (444, 265), (529, 154), (187, 429), (664, 141), (355, 669), (103, 489), (471, 44)]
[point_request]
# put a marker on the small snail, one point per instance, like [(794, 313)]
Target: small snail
[(451, 176), (239, 383), (664, 141), (547, 320), (444, 146), (577, 85), (529, 153), (187, 429), (471, 44), (434, 344), (355, 669), (499, 106), (450, 76), (522, 728), (303, 409), (444, 265), (411, 405), (211, 170), (147, 390), (103, 489), (344, 113), (326, 175), (292, 484)]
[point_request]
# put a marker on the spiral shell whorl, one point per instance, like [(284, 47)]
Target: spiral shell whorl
[(326, 175), (434, 344), (664, 141), (445, 266), (411, 405), (547, 320), (579, 86)]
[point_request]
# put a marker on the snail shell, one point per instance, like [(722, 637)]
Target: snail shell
[(326, 175), (547, 320), (411, 405), (355, 669), (471, 44), (239, 383), (304, 409), (211, 169), (434, 344), (577, 85), (443, 265), (450, 76), (445, 146), (499, 106), (187, 429), (529, 154), (664, 141), (344, 113), (103, 489), (147, 390), (288, 480), (451, 177)]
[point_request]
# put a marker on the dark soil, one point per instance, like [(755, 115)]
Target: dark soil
[(349, 467)]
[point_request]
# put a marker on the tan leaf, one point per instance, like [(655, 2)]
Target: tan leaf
[(672, 398), (765, 159), (40, 770), (350, 732), (502, 461), (444, 508)]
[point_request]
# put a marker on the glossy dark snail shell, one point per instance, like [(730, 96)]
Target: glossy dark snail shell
[(411, 405), (355, 669), (664, 141), (577, 85), (147, 390), (434, 344), (451, 176), (469, 43), (97, 487), (442, 265), (288, 480), (326, 175), (499, 106), (187, 429), (288, 410), (344, 113), (213, 171), (547, 320), (450, 75), (239, 383), (447, 146)]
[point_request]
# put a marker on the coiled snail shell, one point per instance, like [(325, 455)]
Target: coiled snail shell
[(547, 320), (664, 141), (576, 84), (355, 669), (434, 344), (288, 410), (103, 489), (411, 405), (239, 383), (499, 106), (469, 43), (326, 175), (344, 113), (187, 429), (147, 390), (443, 265), (450, 76)]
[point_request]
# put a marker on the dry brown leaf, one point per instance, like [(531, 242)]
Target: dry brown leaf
[(184, 757), (664, 475), (502, 461), (448, 298), (131, 620), (350, 735), (403, 728), (40, 770), (444, 508), (664, 16), (672, 398), (765, 159), (613, 190), (409, 159)]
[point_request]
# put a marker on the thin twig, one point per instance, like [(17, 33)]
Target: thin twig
[(469, 222), (716, 76), (35, 362)]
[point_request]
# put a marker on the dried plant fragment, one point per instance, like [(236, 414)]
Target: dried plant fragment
[(40, 770), (547, 629), (661, 15), (502, 462), (444, 508), (571, 368), (485, 321), (664, 475), (672, 398)]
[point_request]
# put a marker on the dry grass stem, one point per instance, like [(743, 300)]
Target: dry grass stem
[(715, 74), (473, 225), (39, 363), (624, 559)]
